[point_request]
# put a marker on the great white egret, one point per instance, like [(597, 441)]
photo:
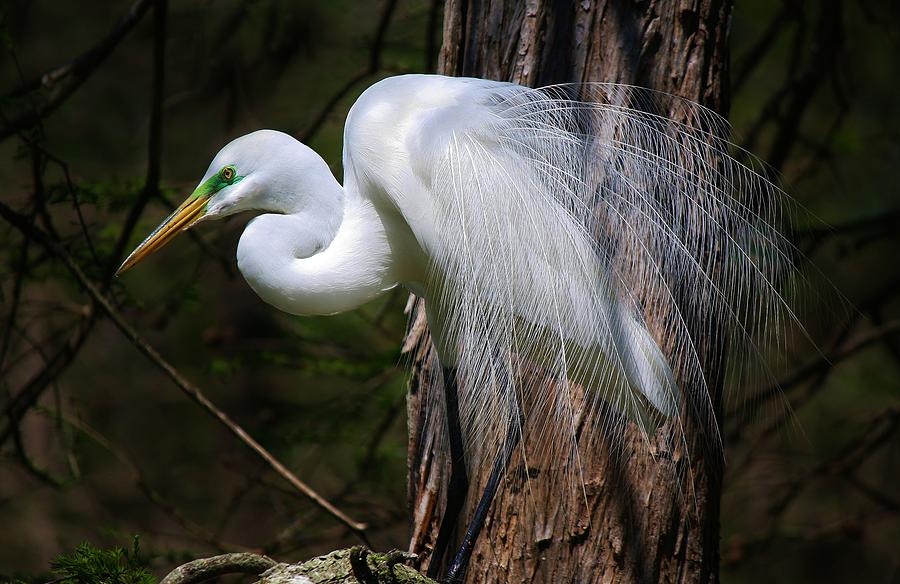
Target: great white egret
[(546, 226)]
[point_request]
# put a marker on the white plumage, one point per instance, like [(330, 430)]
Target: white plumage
[(541, 225)]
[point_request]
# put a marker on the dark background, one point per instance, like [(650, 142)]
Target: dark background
[(111, 448)]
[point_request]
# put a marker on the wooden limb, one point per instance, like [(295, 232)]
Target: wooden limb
[(140, 481), (816, 366), (636, 520), (747, 63), (26, 397), (345, 567), (356, 565), (154, 145), (193, 392), (373, 66), (65, 79), (18, 280), (209, 568)]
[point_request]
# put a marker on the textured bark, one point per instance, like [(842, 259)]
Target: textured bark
[(640, 518), (338, 568)]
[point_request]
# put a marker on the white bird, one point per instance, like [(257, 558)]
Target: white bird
[(543, 226)]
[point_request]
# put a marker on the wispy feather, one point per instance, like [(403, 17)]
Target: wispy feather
[(613, 237)]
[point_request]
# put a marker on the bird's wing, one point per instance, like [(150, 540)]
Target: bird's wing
[(565, 219)]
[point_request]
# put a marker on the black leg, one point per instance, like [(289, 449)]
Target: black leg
[(461, 561), (459, 480)]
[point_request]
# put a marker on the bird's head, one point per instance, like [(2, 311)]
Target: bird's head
[(261, 170)]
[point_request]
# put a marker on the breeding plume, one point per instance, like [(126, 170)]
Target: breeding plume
[(545, 229)]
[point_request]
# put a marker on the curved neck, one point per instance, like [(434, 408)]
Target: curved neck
[(316, 260)]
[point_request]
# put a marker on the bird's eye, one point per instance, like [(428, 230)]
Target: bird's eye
[(228, 173)]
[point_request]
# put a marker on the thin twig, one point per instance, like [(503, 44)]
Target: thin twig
[(56, 365), (19, 280), (372, 68), (880, 430), (192, 391), (140, 481), (73, 192), (32, 467), (69, 77), (154, 141), (822, 362), (747, 63)]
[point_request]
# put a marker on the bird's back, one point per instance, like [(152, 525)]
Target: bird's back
[(555, 220), (398, 133)]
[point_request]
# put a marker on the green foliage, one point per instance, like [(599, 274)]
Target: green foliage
[(322, 391), (111, 194), (5, 38), (224, 368), (91, 565)]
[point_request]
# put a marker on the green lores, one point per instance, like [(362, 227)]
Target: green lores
[(224, 178), (188, 213)]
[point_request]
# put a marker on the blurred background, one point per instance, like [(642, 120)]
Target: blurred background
[(98, 445)]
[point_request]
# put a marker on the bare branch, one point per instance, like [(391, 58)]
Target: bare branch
[(192, 391), (747, 63), (143, 486), (19, 280), (209, 568), (56, 365), (372, 68), (65, 79), (348, 566), (813, 368), (881, 429), (154, 146)]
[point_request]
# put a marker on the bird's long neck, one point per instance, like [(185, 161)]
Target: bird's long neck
[(321, 259)]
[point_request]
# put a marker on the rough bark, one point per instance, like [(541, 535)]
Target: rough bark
[(634, 521)]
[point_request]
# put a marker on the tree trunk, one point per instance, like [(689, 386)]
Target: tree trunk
[(633, 522)]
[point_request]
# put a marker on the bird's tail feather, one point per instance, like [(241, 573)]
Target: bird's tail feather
[(610, 236)]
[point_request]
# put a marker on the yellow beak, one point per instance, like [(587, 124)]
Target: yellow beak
[(188, 213)]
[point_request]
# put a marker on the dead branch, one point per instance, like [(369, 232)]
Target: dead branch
[(65, 79), (818, 365), (193, 392), (151, 494), (209, 568), (373, 66), (356, 565), (154, 145), (747, 63), (26, 397)]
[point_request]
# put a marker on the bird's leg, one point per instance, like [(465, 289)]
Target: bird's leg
[(459, 480), (461, 561)]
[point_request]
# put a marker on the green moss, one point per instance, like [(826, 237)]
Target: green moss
[(335, 568)]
